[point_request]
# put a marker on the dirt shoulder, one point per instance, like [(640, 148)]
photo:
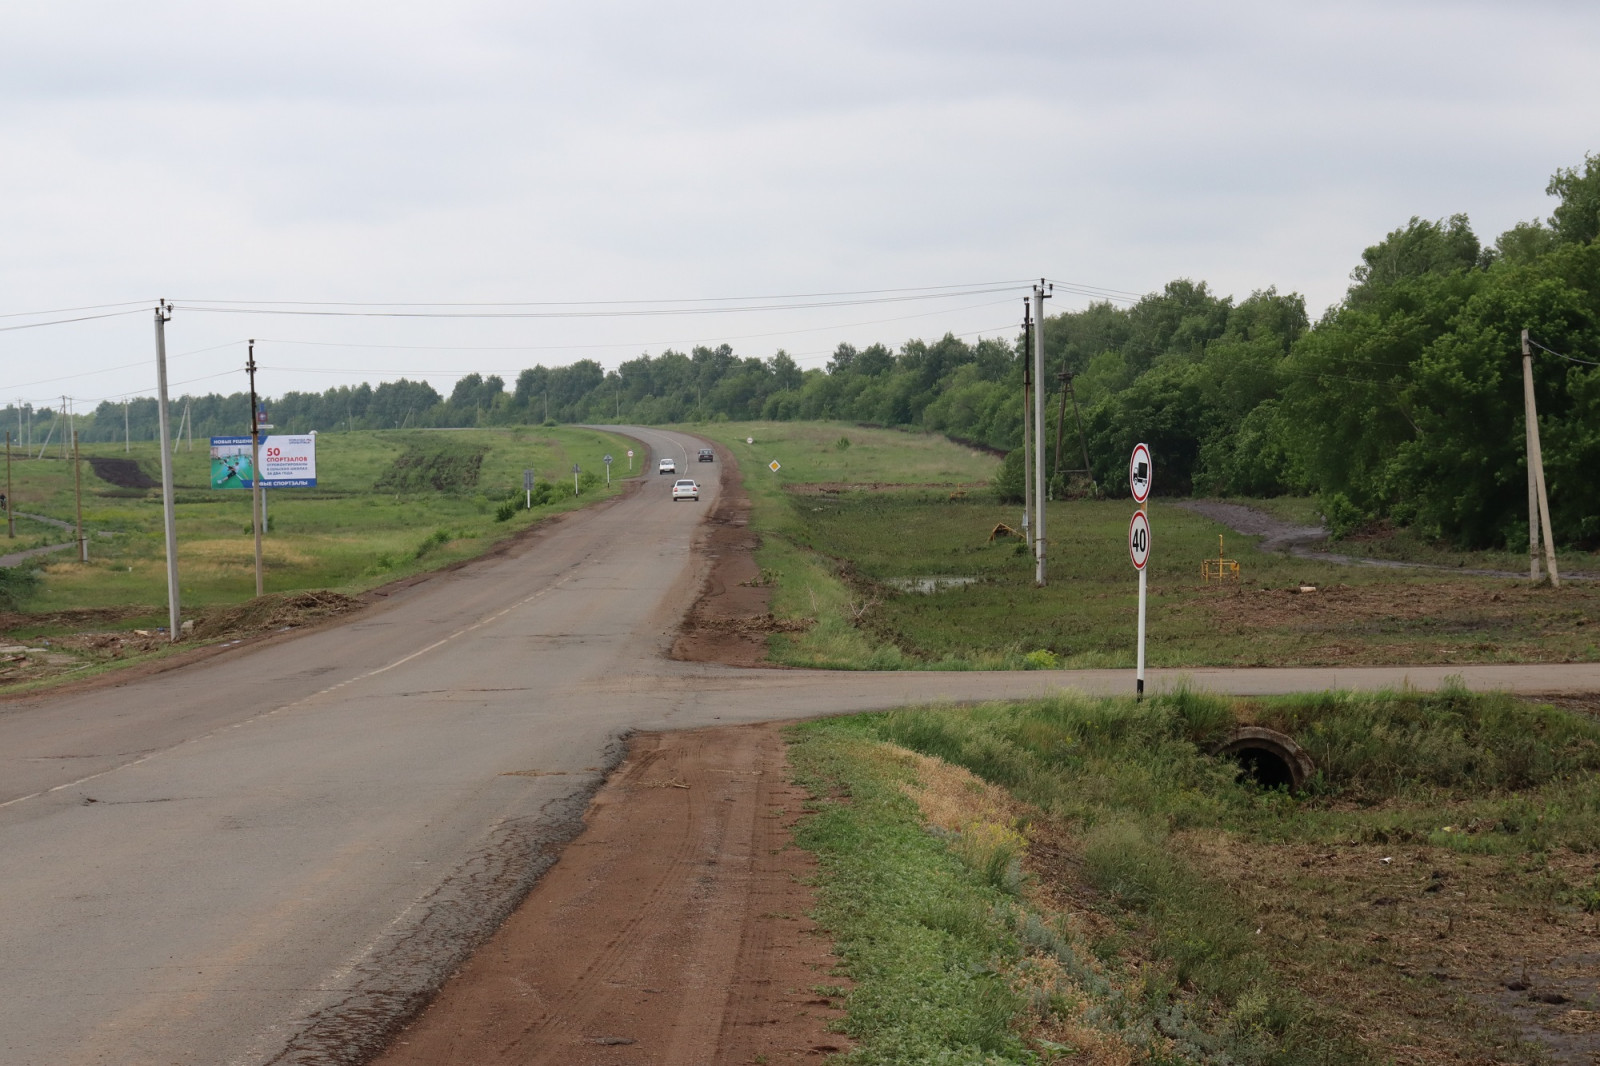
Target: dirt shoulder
[(732, 617), (673, 930)]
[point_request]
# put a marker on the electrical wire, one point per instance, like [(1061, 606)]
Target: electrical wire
[(635, 313), (64, 321), (140, 304), (606, 303), (1569, 358)]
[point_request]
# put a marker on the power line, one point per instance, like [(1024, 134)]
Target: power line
[(604, 303), (1569, 358), (634, 313), (138, 304), (64, 321)]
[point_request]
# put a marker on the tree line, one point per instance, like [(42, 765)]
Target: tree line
[(1401, 404)]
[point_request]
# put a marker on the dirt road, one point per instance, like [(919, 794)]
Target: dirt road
[(278, 854)]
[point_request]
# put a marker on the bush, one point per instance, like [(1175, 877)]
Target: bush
[(17, 584)]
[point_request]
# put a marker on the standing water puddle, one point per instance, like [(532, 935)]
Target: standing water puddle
[(928, 584)]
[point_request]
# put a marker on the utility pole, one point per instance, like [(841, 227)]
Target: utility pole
[(65, 421), (1039, 296), (77, 486), (127, 435), (1538, 498), (1027, 423), (168, 517), (255, 465), (11, 521)]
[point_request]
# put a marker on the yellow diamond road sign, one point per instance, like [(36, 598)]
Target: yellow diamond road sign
[(774, 466)]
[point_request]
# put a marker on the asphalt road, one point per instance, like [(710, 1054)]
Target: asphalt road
[(269, 856)]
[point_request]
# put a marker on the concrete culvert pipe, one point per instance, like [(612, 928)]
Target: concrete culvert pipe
[(1268, 757)]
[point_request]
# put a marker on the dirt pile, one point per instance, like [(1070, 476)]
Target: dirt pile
[(732, 619), (281, 610), (123, 473)]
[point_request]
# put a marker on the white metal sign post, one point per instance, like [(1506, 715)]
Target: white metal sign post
[(630, 460), (1141, 473), (1139, 551), (608, 469)]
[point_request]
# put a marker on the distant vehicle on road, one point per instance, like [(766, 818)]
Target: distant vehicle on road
[(707, 455), (685, 489), (667, 467)]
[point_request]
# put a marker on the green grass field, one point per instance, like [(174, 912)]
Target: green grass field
[(344, 534), (855, 520)]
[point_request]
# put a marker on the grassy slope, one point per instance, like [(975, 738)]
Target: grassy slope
[(1447, 837)]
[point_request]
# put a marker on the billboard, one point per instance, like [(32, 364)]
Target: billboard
[(287, 462)]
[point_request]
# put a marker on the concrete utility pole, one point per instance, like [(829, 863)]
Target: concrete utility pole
[(1538, 498), (127, 435), (1039, 296), (255, 466), (168, 517), (77, 486), (1027, 423), (11, 521)]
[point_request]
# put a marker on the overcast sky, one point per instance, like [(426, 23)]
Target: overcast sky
[(476, 152)]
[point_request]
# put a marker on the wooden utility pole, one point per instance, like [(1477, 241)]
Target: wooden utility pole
[(1538, 498)]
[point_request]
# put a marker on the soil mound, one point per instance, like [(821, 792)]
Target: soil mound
[(278, 610), (123, 473)]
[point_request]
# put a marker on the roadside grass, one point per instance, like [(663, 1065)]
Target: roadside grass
[(878, 545), (848, 531), (344, 535), (1444, 853), (807, 583)]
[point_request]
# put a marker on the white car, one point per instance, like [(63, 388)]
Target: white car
[(667, 467), (685, 489)]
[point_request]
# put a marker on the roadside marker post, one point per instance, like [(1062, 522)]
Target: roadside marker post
[(1141, 473), (527, 487), (607, 461), (574, 479)]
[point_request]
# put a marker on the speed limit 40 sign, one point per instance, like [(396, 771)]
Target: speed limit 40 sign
[(1139, 540)]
